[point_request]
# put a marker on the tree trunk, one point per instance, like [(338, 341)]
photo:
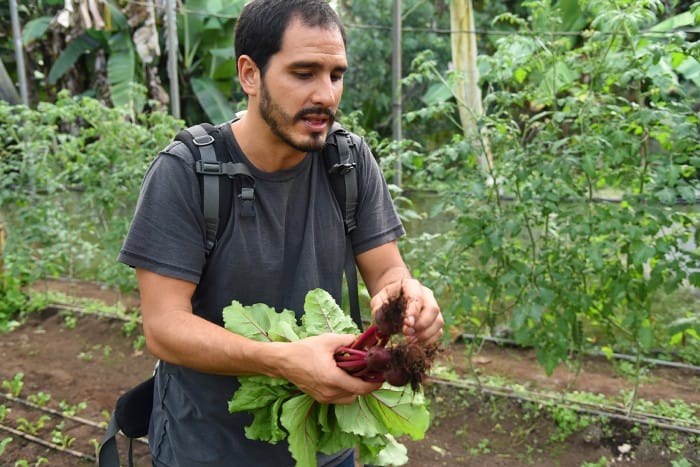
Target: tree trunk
[(466, 89)]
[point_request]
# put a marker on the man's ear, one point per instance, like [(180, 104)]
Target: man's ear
[(248, 75)]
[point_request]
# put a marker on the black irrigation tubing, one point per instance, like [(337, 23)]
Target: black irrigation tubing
[(47, 444), (611, 412), (619, 356)]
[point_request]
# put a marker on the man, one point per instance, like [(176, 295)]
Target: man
[(291, 60)]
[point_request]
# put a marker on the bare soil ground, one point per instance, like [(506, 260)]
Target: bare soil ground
[(87, 365)]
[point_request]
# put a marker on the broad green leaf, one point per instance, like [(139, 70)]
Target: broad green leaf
[(252, 396), (75, 49), (690, 69), (265, 425), (403, 411), (35, 29), (360, 418), (398, 411), (323, 315), (118, 20), (299, 416), (332, 437), (259, 322), (678, 21), (437, 93), (121, 73), (391, 453), (694, 277), (211, 100)]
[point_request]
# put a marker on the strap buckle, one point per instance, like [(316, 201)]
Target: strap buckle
[(342, 169), (209, 168), (203, 140)]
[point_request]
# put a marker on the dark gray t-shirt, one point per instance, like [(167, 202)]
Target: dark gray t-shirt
[(294, 243)]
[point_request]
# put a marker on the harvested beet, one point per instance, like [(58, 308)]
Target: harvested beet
[(373, 358), (390, 316)]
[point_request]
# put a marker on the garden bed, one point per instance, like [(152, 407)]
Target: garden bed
[(84, 362)]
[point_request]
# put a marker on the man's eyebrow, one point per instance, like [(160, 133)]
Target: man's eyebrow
[(316, 65)]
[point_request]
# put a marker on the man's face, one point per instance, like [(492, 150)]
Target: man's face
[(303, 84)]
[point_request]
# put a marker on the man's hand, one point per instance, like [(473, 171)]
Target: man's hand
[(309, 365), (423, 321)]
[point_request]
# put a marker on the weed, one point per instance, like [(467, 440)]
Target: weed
[(484, 447), (602, 462), (682, 462), (69, 319), (568, 422)]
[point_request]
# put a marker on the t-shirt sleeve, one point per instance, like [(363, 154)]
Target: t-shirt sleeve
[(167, 234), (377, 220)]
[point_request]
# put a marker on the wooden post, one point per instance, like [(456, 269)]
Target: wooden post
[(2, 246)]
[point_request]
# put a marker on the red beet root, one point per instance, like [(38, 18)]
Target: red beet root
[(378, 359), (398, 364), (397, 377)]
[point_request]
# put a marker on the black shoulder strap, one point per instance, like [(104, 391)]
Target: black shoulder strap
[(211, 162), (341, 155)]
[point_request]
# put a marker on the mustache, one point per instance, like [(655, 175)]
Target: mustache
[(316, 111)]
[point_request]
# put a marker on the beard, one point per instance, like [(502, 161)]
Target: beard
[(281, 123)]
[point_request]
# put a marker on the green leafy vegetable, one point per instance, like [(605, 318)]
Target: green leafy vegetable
[(281, 411)]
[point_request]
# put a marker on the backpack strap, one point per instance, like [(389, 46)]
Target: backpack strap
[(340, 156), (211, 162)]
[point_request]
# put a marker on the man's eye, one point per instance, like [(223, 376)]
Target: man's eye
[(303, 75)]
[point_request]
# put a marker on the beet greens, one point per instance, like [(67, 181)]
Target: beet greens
[(282, 412)]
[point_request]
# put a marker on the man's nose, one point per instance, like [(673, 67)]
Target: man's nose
[(326, 93)]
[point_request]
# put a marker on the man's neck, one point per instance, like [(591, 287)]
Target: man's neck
[(262, 147)]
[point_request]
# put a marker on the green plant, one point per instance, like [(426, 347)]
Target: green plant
[(4, 411), (602, 462), (61, 439), (32, 427), (578, 230), (281, 412), (682, 462), (3, 444), (67, 214), (72, 409), (568, 421), (14, 386), (37, 463), (40, 398), (484, 447), (69, 319)]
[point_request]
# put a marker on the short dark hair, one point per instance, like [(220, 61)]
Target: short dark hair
[(262, 23)]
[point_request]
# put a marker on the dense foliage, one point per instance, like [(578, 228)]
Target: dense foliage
[(586, 217), (70, 175), (581, 232)]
